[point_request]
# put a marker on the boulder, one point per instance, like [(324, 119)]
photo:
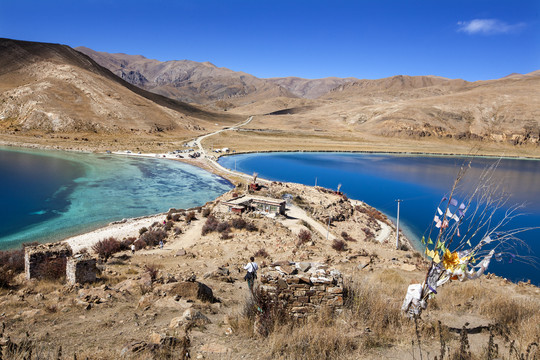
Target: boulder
[(221, 273), (181, 252), (146, 300), (192, 290), (146, 280), (155, 338)]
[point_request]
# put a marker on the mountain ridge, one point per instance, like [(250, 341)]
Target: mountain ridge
[(75, 93)]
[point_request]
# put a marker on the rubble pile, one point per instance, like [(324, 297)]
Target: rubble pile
[(304, 287)]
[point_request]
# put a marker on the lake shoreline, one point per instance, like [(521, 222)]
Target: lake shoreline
[(130, 226), (232, 177)]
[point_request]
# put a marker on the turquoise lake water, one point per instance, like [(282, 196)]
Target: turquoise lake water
[(420, 181), (51, 195)]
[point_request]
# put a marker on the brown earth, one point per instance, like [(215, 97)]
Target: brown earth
[(126, 307), (50, 88)]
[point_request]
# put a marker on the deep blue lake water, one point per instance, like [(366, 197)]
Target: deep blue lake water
[(420, 181), (51, 195)]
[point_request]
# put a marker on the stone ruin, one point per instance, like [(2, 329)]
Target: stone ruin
[(78, 269), (37, 257), (305, 287), (81, 268)]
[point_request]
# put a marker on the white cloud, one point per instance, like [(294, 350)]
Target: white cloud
[(488, 27)]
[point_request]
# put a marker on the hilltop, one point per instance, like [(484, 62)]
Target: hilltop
[(190, 297)]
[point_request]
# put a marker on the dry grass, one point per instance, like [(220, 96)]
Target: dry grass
[(379, 307), (516, 318), (313, 340)]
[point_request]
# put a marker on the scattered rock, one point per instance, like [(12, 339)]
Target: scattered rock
[(190, 316), (181, 252), (287, 269)]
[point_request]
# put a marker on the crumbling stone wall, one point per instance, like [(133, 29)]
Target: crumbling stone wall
[(36, 257), (304, 287), (81, 269)]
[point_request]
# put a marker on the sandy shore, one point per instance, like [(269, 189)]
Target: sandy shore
[(119, 229)]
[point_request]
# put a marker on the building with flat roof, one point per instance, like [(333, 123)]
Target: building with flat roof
[(261, 204)]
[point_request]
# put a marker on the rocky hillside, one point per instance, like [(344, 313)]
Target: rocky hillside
[(310, 89), (505, 110), (189, 299), (51, 87), (190, 81)]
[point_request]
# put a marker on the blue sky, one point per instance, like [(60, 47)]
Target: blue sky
[(468, 39)]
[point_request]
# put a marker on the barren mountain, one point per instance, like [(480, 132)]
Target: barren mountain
[(310, 89), (506, 109), (52, 87), (189, 81)]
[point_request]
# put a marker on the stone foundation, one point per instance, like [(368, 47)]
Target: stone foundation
[(37, 257), (81, 269), (304, 287)]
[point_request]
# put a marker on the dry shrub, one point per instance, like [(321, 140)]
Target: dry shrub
[(125, 244), (339, 245), (372, 213), (210, 225), (169, 225), (6, 277), (11, 263), (177, 230), (226, 235), (139, 244), (251, 227), (153, 237), (223, 227), (206, 212), (304, 236), (347, 237), (175, 217), (261, 253), (107, 247), (142, 230), (238, 223), (53, 269), (13, 260), (190, 217), (369, 234), (152, 270)]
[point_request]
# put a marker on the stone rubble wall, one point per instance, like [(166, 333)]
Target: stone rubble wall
[(36, 256), (81, 269), (304, 287)]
